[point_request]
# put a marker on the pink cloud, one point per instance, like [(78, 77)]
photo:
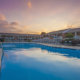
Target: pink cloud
[(5, 26), (13, 27)]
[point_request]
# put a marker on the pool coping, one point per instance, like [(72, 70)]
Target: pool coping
[(0, 56)]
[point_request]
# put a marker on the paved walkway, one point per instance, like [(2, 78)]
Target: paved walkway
[(62, 46)]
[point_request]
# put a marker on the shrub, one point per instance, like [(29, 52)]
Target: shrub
[(69, 35)]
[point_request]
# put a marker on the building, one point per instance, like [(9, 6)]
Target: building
[(52, 37), (12, 37), (75, 32), (61, 33)]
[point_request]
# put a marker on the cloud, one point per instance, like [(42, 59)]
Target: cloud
[(14, 23), (5, 26), (29, 4), (2, 17), (13, 27)]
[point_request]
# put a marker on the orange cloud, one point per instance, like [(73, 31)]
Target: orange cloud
[(29, 4), (2, 17)]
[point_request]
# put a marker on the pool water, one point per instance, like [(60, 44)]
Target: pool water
[(30, 61)]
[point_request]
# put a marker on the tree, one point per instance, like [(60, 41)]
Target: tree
[(69, 35), (1, 40), (43, 33)]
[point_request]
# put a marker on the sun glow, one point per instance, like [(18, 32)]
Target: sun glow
[(29, 4)]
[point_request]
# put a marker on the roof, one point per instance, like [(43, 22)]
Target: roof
[(18, 34), (66, 31), (60, 31), (74, 30)]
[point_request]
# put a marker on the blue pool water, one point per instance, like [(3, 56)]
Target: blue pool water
[(29, 61)]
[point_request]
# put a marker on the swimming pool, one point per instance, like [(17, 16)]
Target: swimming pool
[(31, 61)]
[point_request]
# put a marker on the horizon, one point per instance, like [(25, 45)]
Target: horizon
[(36, 16), (38, 33)]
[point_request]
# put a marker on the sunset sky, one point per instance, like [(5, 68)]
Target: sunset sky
[(35, 16)]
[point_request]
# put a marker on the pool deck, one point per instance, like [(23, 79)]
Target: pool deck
[(62, 46)]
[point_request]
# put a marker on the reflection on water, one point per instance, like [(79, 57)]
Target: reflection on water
[(38, 62)]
